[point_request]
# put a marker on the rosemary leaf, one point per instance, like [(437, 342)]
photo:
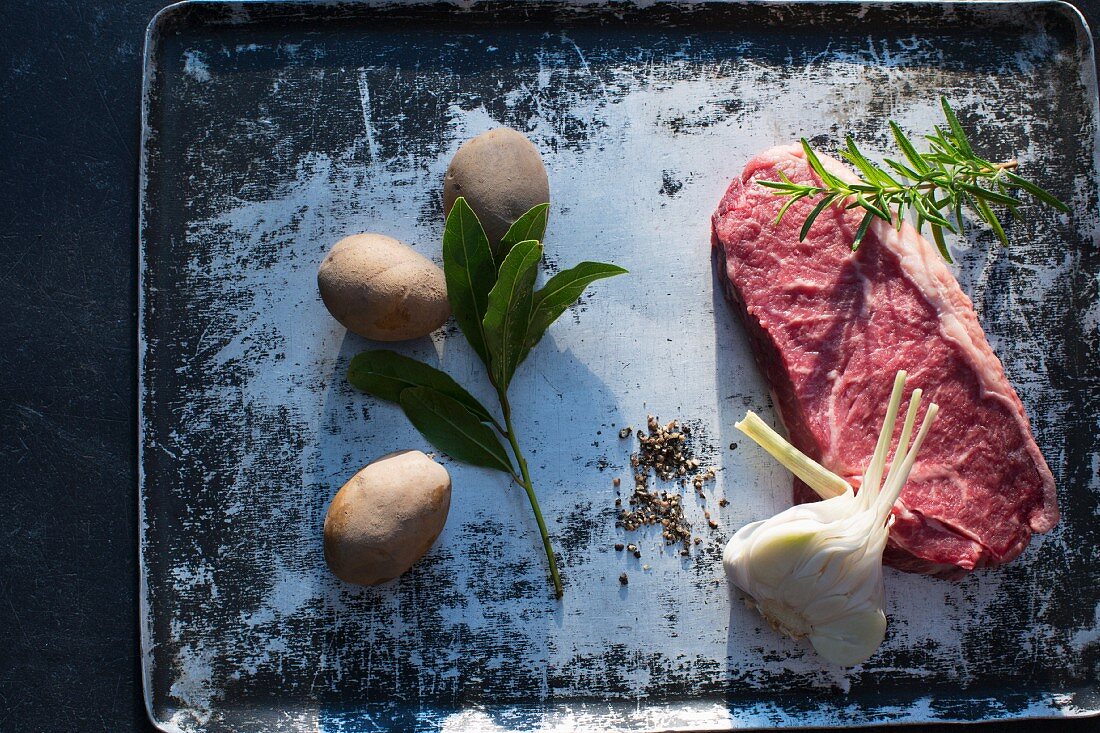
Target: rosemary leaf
[(871, 208), (908, 150), (956, 129), (1035, 191), (862, 231), (937, 237), (990, 218), (989, 196), (902, 170), (826, 177), (813, 215), (787, 204)]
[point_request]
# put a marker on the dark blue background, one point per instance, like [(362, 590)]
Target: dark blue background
[(70, 90)]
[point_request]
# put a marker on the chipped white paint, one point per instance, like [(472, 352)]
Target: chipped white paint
[(657, 341), (194, 65), (364, 101)]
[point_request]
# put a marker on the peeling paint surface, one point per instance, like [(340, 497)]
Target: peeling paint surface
[(271, 131)]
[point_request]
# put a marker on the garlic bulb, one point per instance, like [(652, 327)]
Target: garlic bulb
[(814, 571)]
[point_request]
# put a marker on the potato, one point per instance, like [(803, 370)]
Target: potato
[(386, 517), (382, 289), (501, 175)]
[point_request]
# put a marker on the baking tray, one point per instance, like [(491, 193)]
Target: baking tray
[(272, 130)]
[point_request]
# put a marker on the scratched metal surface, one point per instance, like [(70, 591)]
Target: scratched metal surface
[(270, 131)]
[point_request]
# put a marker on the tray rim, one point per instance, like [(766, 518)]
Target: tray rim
[(149, 52)]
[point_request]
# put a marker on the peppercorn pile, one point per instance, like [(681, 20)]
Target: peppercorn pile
[(664, 451)]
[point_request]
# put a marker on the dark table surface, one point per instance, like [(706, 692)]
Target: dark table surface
[(70, 89)]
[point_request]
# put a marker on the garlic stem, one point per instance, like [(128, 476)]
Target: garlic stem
[(823, 481), (896, 480), (903, 440), (872, 477)]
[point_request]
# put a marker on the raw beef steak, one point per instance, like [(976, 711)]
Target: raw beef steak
[(830, 328)]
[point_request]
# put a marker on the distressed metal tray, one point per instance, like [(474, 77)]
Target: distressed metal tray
[(272, 130)]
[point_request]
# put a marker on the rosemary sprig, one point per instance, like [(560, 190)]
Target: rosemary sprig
[(935, 185)]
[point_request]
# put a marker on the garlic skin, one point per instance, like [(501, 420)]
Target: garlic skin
[(814, 571)]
